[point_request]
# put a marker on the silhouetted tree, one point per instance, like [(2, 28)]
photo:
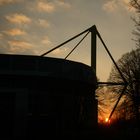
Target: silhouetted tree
[(136, 5), (129, 65), (101, 95)]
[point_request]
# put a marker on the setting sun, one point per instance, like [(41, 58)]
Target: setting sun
[(106, 119)]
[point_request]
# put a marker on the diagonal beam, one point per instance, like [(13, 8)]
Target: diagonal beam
[(77, 45), (121, 74), (67, 41), (117, 102), (98, 34), (111, 83)]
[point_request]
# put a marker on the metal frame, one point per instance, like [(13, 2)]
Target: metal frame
[(94, 33)]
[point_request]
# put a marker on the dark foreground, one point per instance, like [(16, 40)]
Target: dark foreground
[(102, 132)]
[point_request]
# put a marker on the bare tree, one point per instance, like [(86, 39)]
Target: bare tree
[(129, 65), (136, 5)]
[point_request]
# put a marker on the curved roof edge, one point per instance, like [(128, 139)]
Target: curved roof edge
[(46, 66)]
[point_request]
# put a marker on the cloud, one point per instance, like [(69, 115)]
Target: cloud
[(46, 41), (18, 18), (15, 32), (115, 5), (63, 4), (45, 6), (1, 36), (5, 2), (49, 6), (43, 23), (19, 46), (59, 51), (110, 6)]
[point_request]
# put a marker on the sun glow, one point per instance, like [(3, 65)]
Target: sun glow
[(106, 120)]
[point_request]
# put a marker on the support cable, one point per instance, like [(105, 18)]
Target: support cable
[(111, 83), (111, 57), (121, 74), (67, 41), (77, 45), (117, 102)]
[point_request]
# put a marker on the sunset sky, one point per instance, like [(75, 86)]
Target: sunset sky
[(35, 26)]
